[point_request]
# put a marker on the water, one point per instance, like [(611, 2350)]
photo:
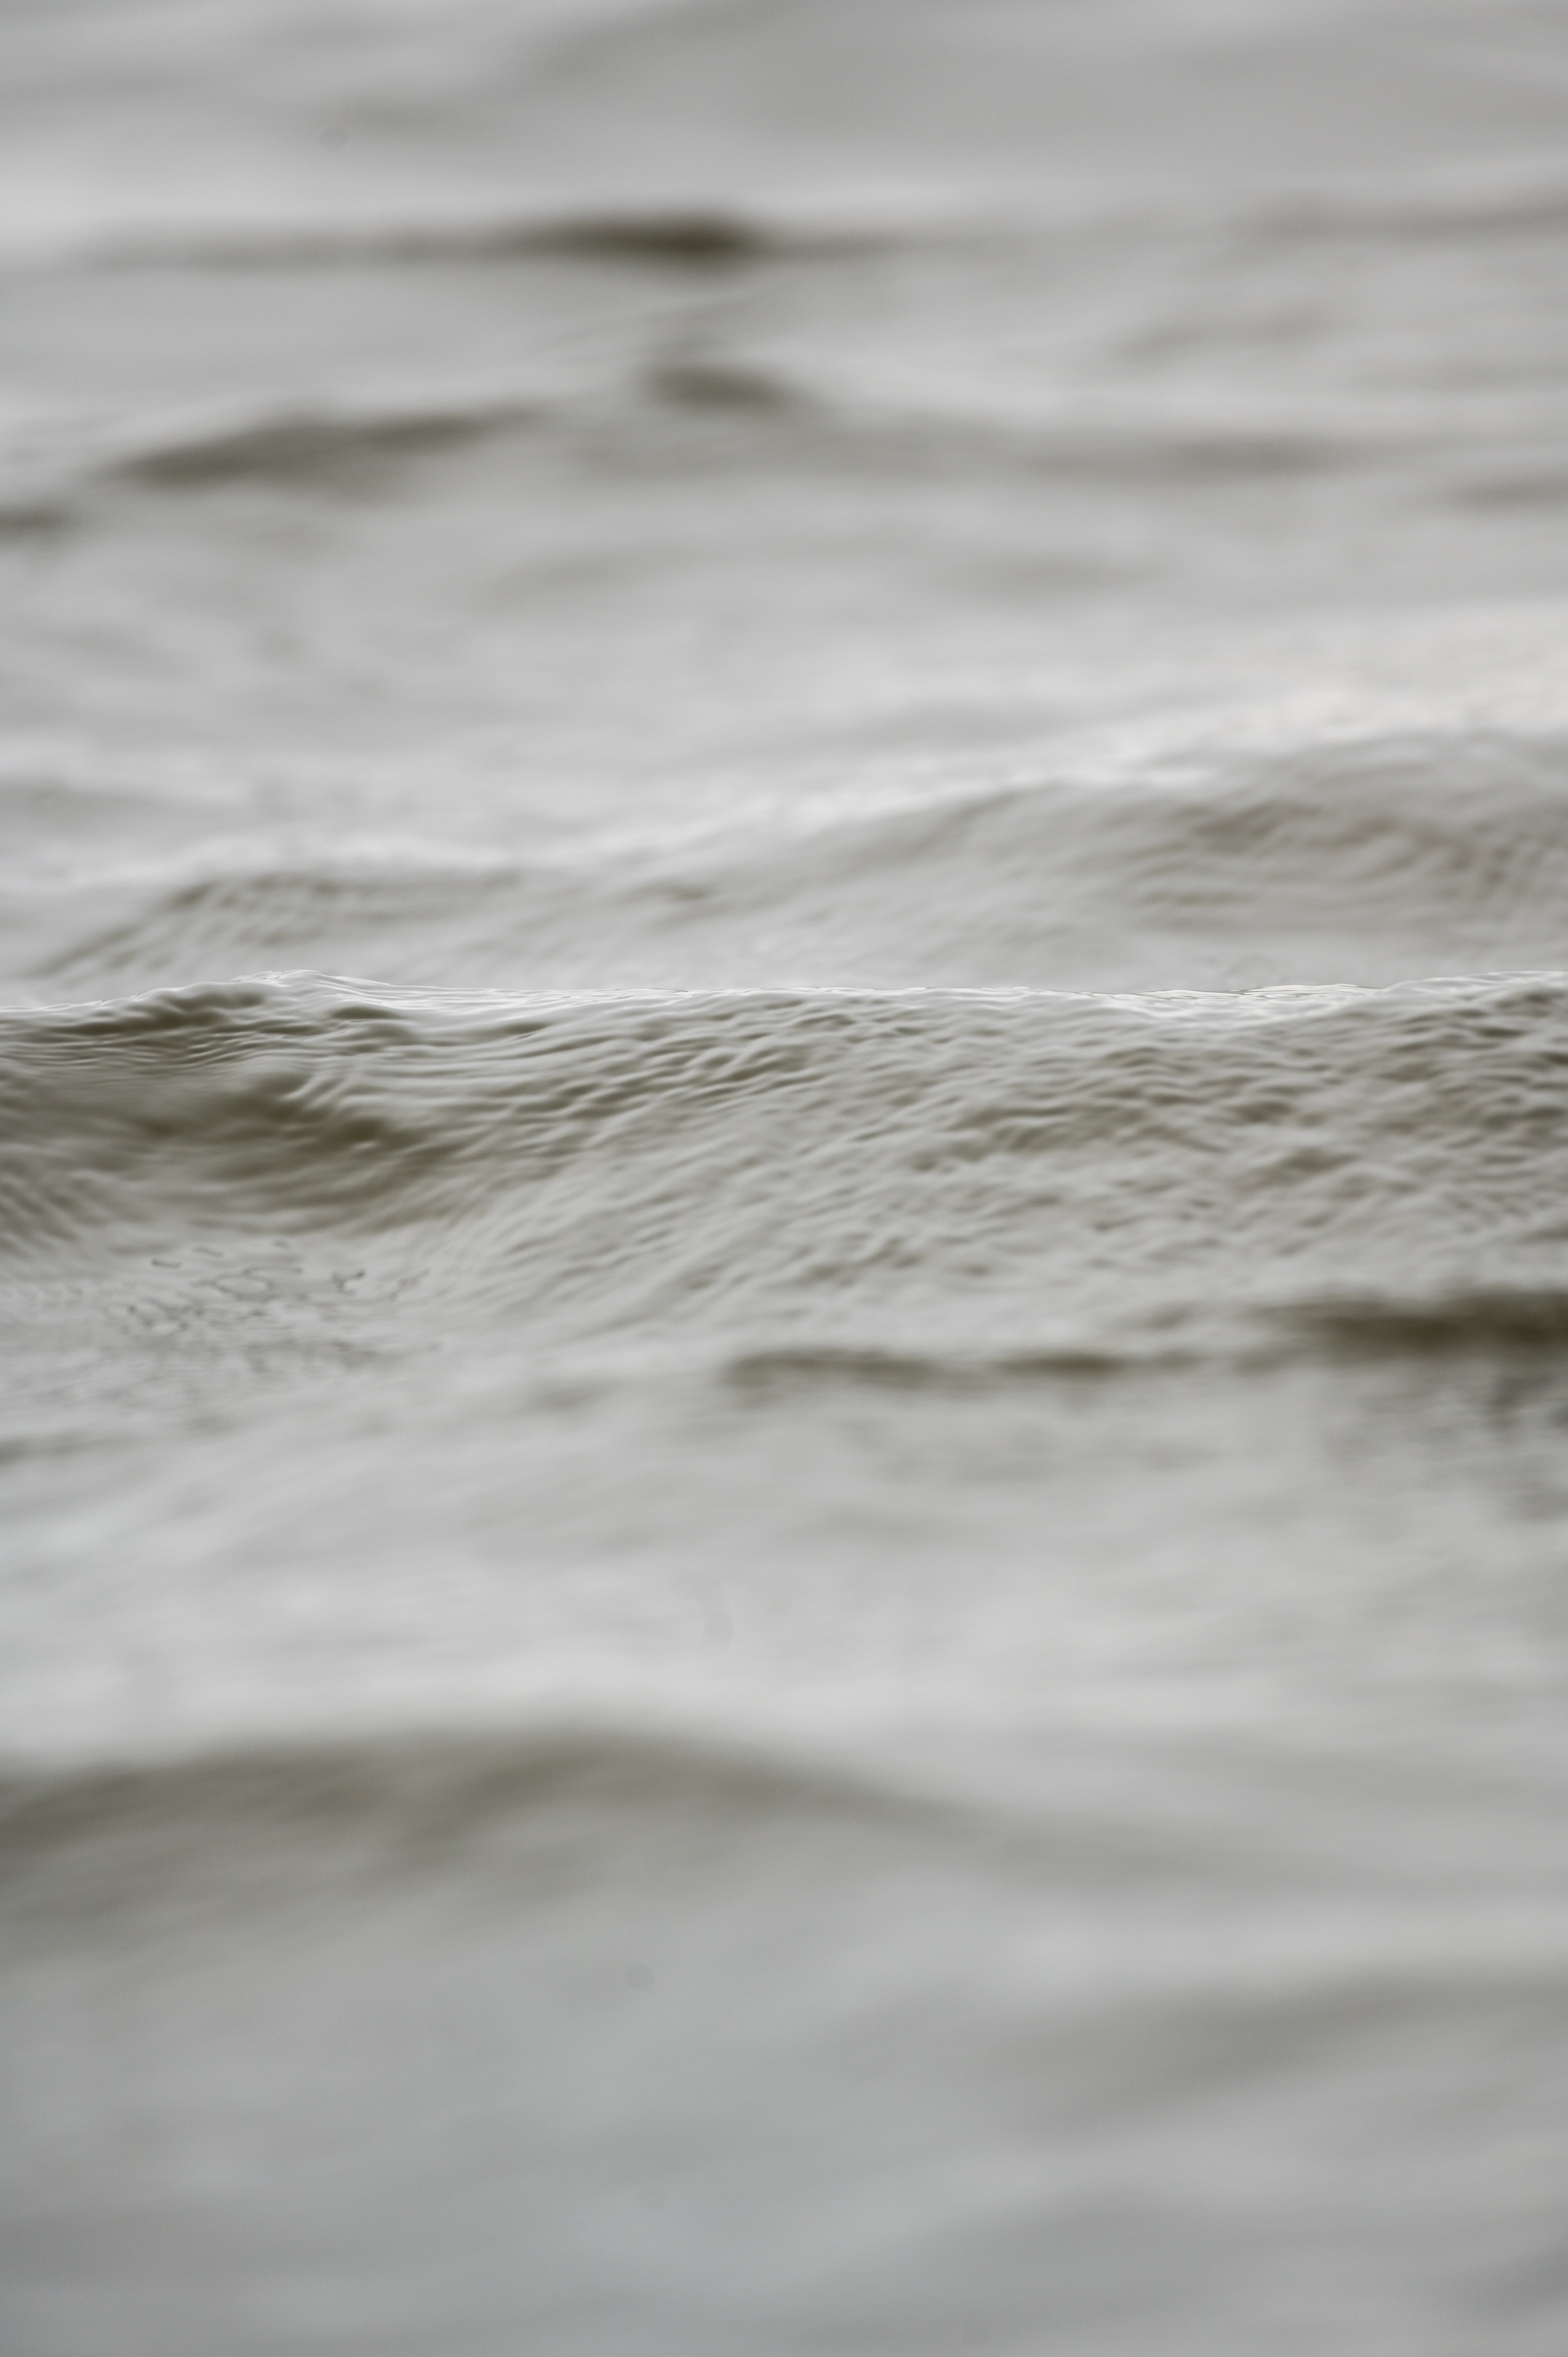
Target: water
[(785, 798)]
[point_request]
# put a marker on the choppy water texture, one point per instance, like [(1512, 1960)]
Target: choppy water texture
[(784, 790)]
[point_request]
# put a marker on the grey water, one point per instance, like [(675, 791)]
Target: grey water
[(783, 937)]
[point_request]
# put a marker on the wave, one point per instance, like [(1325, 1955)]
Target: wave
[(414, 1799), (295, 445), (310, 445), (727, 234), (948, 1171), (782, 1370), (344, 443), (771, 414), (1508, 1319), (354, 445), (704, 237), (422, 917), (1363, 859), (519, 1818), (1519, 1323)]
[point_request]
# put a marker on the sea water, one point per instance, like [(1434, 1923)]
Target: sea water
[(785, 937)]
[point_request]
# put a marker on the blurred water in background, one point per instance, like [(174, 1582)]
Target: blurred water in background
[(784, 803)]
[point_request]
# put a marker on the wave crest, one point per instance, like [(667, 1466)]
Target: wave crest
[(923, 1167)]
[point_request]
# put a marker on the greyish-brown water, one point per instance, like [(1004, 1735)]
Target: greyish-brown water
[(782, 1219)]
